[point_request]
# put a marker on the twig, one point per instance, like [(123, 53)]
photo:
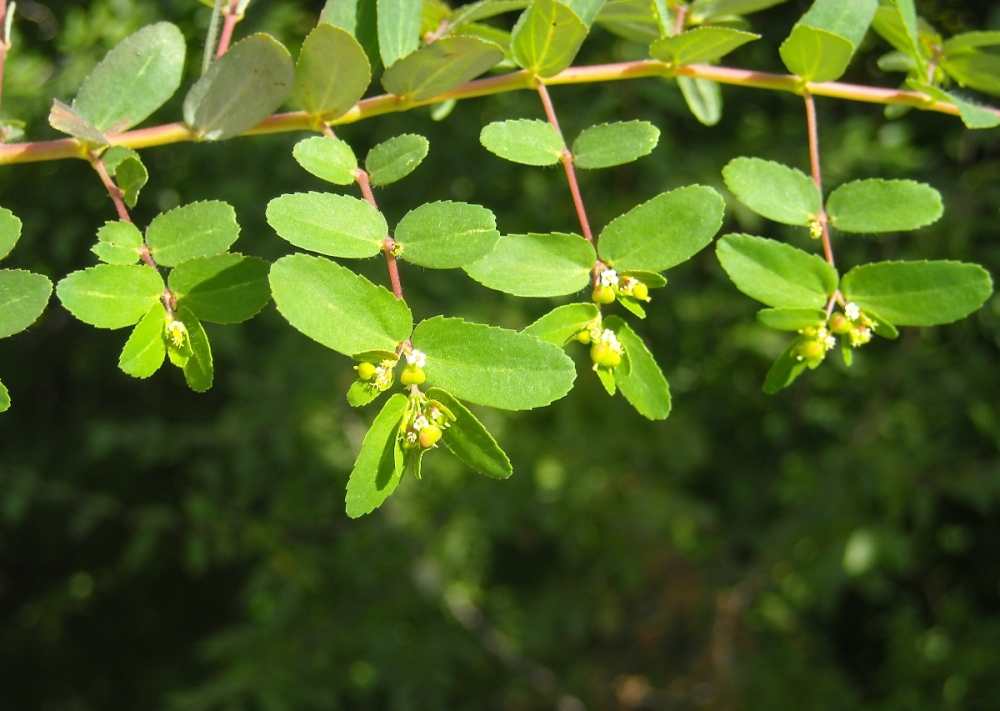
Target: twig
[(817, 174), (229, 24)]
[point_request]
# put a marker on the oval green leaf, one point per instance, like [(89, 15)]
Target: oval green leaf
[(331, 74), (327, 158), (118, 242), (227, 288), (199, 370), (396, 158), (10, 231), (23, 296), (468, 440), (527, 141), (883, 206), (441, 66), (614, 144), (335, 225), (145, 349), (643, 385), (200, 229), (379, 465), (536, 265), (791, 319), (702, 44), (446, 235), (398, 28), (111, 295), (547, 37), (815, 55), (560, 325), (773, 190)]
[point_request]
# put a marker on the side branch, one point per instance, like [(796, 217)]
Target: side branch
[(514, 81)]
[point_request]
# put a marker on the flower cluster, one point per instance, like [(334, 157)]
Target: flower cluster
[(377, 376), (424, 423), (177, 332), (611, 285), (605, 349)]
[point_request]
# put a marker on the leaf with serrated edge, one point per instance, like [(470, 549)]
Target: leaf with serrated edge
[(663, 232), (398, 28), (131, 175), (644, 385), (703, 98), (328, 158), (791, 319), (536, 265), (227, 288), (775, 273), (198, 370), (4, 398), (883, 206), (336, 307), (446, 235), (119, 242), (614, 144), (332, 72), (561, 325), (441, 66), (773, 190), (23, 297), (703, 44), (110, 295), (849, 19), (379, 465), (526, 141), (134, 79), (493, 366), (242, 88), (468, 440), (547, 37), (396, 158), (816, 55), (200, 229), (973, 115), (10, 231), (335, 225), (145, 350), (918, 293)]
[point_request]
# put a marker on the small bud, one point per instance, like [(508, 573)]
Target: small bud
[(429, 436), (366, 371), (839, 324), (811, 351), (604, 355), (584, 337), (603, 295), (640, 291), (412, 375)]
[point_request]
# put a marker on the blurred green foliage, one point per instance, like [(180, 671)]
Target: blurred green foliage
[(833, 547)]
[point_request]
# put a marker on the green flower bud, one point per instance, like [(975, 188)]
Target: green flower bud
[(603, 295), (584, 337), (412, 375), (839, 324), (812, 350), (429, 436), (604, 355), (366, 371), (640, 291)]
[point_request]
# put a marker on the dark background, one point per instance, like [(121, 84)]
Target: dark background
[(834, 547)]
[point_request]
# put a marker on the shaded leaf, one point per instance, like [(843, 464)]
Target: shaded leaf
[(775, 273), (536, 265), (439, 67), (199, 371), (976, 70), (547, 37), (703, 98), (4, 398), (973, 115), (398, 28), (785, 370), (643, 385), (10, 231), (468, 440), (63, 118), (703, 44), (227, 288), (446, 235), (396, 158), (379, 465), (332, 72), (791, 319)]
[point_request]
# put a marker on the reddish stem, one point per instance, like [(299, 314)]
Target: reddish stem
[(680, 17), (388, 244), (3, 45), (227, 28), (113, 190), (817, 174)]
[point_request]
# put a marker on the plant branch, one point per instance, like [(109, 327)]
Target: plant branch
[(113, 190), (4, 42), (232, 16), (388, 244), (681, 16), (387, 103), (817, 174)]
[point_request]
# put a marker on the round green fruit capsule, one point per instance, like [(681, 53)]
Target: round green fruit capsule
[(812, 350), (603, 295), (412, 375), (366, 371), (429, 436), (604, 355), (583, 337), (839, 324), (640, 291)]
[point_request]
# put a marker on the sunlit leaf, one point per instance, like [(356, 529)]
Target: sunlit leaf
[(536, 265)]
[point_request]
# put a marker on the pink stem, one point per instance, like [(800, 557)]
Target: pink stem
[(227, 28), (682, 11), (361, 176), (3, 44), (817, 175)]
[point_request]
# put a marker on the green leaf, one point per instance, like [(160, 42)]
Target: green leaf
[(335, 225), (631, 305), (883, 206), (4, 398), (332, 72), (396, 158), (131, 176), (361, 393), (336, 307), (773, 190), (201, 229), (379, 466), (633, 20), (493, 366), (241, 88), (10, 231), (439, 67), (659, 234), (643, 385), (703, 44), (134, 79), (586, 10), (485, 8), (607, 379), (526, 141), (446, 235), (327, 158), (547, 37), (848, 18), (816, 55), (896, 22), (976, 70), (536, 265), (775, 273), (398, 28), (654, 280), (785, 370), (111, 295), (704, 10), (561, 325), (198, 370), (791, 319), (614, 144), (145, 350), (63, 118), (23, 296), (918, 293), (468, 440), (118, 243), (227, 288), (703, 98), (971, 40), (973, 115), (340, 13)]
